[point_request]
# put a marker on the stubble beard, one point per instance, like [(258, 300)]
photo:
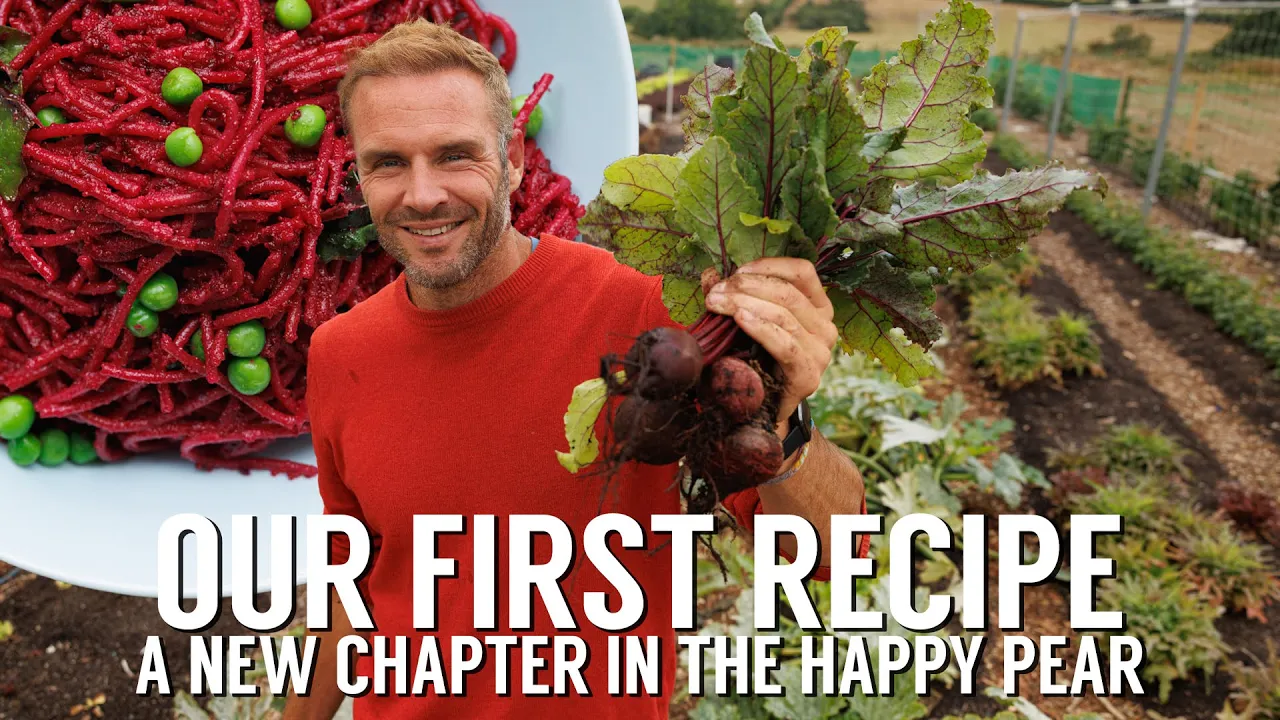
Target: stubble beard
[(478, 246)]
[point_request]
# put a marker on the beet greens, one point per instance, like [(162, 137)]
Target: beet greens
[(787, 159)]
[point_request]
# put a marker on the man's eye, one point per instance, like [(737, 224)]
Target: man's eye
[(454, 157), (386, 163)]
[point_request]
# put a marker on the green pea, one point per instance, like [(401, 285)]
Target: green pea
[(141, 321), (82, 450), (535, 117), (181, 86), (55, 446), (17, 415), (122, 289), (197, 345), (183, 147), (159, 293), (51, 116), (305, 126), (249, 376), (25, 450), (247, 339), (293, 14)]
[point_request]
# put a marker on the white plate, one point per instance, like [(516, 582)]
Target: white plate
[(96, 527)]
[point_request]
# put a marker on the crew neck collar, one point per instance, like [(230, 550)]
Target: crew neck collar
[(515, 286)]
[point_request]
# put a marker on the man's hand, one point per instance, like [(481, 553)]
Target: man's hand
[(781, 304)]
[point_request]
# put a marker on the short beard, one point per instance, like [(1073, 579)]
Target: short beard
[(479, 245)]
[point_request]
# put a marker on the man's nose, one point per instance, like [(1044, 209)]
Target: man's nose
[(424, 192)]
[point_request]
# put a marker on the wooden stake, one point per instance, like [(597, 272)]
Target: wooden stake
[(1193, 124)]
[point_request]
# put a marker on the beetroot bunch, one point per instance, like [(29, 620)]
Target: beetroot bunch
[(719, 416), (877, 184)]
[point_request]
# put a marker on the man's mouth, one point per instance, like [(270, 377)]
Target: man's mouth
[(433, 232)]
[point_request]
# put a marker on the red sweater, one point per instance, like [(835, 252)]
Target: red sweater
[(461, 412)]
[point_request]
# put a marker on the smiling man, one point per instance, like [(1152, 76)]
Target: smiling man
[(445, 392)]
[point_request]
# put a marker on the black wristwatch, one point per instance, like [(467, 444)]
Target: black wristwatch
[(801, 430)]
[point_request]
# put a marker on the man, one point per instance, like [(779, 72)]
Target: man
[(445, 393)]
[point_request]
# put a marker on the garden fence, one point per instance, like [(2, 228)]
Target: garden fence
[(1182, 99)]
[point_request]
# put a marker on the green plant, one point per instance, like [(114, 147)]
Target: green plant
[(1016, 344), (1108, 142), (1228, 569), (688, 19), (1138, 449), (1141, 552), (814, 15), (1011, 340), (1255, 689), (1124, 41), (1172, 621), (1075, 347), (985, 118), (1236, 208), (1178, 176), (1029, 98), (1138, 500), (1252, 34), (1015, 271)]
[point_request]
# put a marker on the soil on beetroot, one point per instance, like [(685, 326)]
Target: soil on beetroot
[(70, 645)]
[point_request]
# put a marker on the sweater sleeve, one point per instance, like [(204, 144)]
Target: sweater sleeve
[(337, 497), (744, 505)]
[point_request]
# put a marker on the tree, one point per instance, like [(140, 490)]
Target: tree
[(848, 13), (688, 19)]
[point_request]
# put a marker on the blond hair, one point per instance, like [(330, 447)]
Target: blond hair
[(421, 47)]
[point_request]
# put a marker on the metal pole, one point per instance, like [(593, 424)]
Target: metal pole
[(1013, 77), (1170, 99), (671, 84), (1064, 79)]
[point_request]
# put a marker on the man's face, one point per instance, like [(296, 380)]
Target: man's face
[(433, 172)]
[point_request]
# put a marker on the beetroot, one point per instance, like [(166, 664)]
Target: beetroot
[(664, 362), (735, 387), (654, 432), (747, 457)]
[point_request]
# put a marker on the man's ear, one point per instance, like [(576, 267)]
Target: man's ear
[(515, 159)]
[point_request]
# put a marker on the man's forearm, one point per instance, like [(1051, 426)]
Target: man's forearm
[(827, 484)]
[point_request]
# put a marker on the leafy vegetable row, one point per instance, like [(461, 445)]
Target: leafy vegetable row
[(1233, 302)]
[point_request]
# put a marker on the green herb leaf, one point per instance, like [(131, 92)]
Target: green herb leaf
[(929, 88), (12, 41), (897, 294), (646, 183), (651, 242), (707, 85), (347, 237), (589, 399), (15, 120), (712, 199), (795, 705), (805, 199), (865, 326), (757, 33), (825, 45), (969, 225), (835, 129), (759, 129), (683, 298)]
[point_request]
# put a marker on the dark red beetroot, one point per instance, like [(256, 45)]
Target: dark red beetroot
[(735, 387), (665, 362), (746, 458), (653, 432)]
